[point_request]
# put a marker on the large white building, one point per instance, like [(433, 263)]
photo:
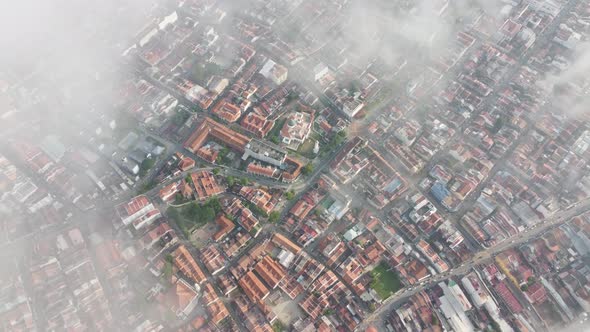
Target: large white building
[(274, 72), (296, 129), (352, 107), (453, 305), (265, 152)]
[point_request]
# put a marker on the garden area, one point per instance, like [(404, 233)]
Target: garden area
[(385, 281), (306, 149), (194, 215)]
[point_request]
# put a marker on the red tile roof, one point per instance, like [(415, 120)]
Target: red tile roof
[(270, 271), (225, 227), (285, 243), (205, 185), (185, 262), (133, 206), (210, 129), (508, 297), (253, 287)]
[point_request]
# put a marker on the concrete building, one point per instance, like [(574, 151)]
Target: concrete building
[(265, 152), (139, 211), (296, 129), (274, 72)]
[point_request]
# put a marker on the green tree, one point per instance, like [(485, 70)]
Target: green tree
[(524, 287), (192, 211), (292, 96), (208, 215), (222, 156), (495, 326), (353, 87), (498, 124), (278, 326), (215, 204), (274, 216), (290, 195), (434, 320), (307, 169), (201, 73), (173, 213), (148, 186), (244, 181), (178, 198), (168, 270), (180, 118), (340, 137), (372, 307), (328, 312), (230, 181), (146, 165), (216, 171), (169, 258), (531, 280)]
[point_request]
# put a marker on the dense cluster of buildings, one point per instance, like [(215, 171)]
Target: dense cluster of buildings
[(267, 171)]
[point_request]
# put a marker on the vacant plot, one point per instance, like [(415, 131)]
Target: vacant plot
[(385, 282), (287, 311)]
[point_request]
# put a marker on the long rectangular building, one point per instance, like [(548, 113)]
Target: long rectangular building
[(253, 287), (209, 129)]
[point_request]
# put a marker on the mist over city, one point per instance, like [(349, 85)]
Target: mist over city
[(295, 165)]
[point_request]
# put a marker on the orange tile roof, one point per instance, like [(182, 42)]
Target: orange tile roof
[(268, 171), (198, 322), (225, 227), (259, 197), (301, 209), (227, 111), (213, 260), (134, 206), (285, 243), (291, 287), (186, 163), (207, 153), (183, 295), (218, 311), (209, 295), (186, 190), (257, 124), (293, 175), (253, 287), (156, 233), (169, 191), (205, 185), (270, 271), (211, 129), (185, 262)]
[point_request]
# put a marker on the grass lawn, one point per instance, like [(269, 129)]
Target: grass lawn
[(306, 149), (385, 282), (327, 202)]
